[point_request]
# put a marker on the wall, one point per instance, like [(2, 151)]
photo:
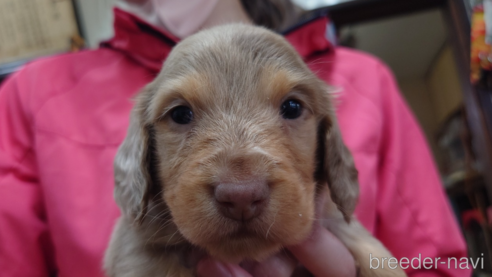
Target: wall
[(419, 98), (435, 96), (96, 18), (444, 86)]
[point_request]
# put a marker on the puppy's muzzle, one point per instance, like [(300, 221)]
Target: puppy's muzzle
[(242, 200)]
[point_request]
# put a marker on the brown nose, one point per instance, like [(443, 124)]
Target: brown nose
[(242, 201)]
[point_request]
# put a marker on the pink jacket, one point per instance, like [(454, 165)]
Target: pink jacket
[(62, 119)]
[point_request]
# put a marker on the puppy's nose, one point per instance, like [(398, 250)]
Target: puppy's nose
[(242, 201)]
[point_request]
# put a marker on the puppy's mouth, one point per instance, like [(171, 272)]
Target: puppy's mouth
[(253, 227), (237, 241), (243, 232)]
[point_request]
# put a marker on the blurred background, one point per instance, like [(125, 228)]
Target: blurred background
[(437, 49)]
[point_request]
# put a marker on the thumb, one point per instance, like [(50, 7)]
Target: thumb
[(324, 255)]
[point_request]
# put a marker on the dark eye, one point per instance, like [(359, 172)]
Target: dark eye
[(182, 115), (291, 109)]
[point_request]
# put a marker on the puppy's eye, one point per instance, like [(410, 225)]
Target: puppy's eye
[(291, 109), (182, 115)]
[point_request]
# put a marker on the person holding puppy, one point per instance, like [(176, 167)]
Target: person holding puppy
[(62, 119)]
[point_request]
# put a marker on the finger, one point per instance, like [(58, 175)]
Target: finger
[(324, 255), (210, 267)]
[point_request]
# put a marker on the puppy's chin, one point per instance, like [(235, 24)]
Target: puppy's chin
[(243, 246), (248, 245)]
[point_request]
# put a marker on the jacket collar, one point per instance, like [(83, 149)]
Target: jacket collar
[(149, 46)]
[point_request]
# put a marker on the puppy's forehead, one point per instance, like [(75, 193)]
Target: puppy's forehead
[(223, 49), (231, 63)]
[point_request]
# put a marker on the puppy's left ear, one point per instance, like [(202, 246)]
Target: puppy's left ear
[(132, 164), (337, 167)]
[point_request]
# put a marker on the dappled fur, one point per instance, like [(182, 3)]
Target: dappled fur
[(235, 79)]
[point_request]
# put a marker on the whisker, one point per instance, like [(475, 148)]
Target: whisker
[(161, 215), (163, 226), (268, 231), (172, 236)]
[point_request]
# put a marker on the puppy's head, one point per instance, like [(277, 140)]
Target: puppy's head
[(234, 136)]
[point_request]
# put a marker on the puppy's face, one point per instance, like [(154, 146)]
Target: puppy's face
[(237, 160), (236, 120)]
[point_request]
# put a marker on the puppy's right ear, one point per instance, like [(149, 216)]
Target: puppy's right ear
[(132, 172), (338, 167)]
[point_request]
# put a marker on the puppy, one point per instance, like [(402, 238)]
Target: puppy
[(226, 153)]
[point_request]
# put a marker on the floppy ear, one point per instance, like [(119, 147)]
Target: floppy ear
[(133, 167), (338, 167)]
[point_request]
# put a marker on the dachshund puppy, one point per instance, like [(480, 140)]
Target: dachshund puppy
[(226, 153)]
